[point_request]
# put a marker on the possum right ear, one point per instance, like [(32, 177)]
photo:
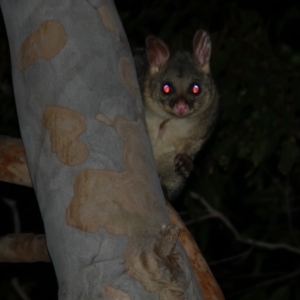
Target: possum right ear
[(202, 49), (157, 53)]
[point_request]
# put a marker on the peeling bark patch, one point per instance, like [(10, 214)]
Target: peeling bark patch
[(154, 273), (65, 126), (111, 293), (46, 42), (117, 201), (129, 77), (108, 19)]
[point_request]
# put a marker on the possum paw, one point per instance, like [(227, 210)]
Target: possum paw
[(183, 164)]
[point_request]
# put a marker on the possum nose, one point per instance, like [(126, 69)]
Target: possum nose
[(181, 108)]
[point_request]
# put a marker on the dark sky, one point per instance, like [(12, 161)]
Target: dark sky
[(273, 13)]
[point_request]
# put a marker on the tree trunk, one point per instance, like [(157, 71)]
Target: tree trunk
[(89, 156), (13, 169)]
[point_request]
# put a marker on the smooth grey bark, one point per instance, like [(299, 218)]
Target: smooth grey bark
[(89, 155)]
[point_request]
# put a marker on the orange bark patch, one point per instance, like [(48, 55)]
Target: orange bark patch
[(13, 166), (65, 126), (210, 288), (129, 77), (108, 19), (112, 293), (118, 201), (46, 42)]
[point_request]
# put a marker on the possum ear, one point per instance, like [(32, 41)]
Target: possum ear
[(202, 49), (157, 53)]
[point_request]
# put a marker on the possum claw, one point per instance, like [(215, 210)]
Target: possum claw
[(183, 164)]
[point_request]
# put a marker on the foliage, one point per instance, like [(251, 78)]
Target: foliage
[(249, 170)]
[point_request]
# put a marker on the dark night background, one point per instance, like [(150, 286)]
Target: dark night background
[(249, 170)]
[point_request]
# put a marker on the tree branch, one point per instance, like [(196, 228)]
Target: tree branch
[(266, 283), (13, 164), (216, 214), (27, 247), (15, 283)]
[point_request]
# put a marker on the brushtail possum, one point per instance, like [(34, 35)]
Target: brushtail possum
[(181, 105)]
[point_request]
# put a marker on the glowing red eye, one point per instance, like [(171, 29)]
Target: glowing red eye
[(166, 88), (195, 89)]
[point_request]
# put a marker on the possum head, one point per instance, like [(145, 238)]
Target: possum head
[(179, 84)]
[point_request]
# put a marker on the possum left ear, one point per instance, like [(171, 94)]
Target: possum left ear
[(157, 52), (202, 49)]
